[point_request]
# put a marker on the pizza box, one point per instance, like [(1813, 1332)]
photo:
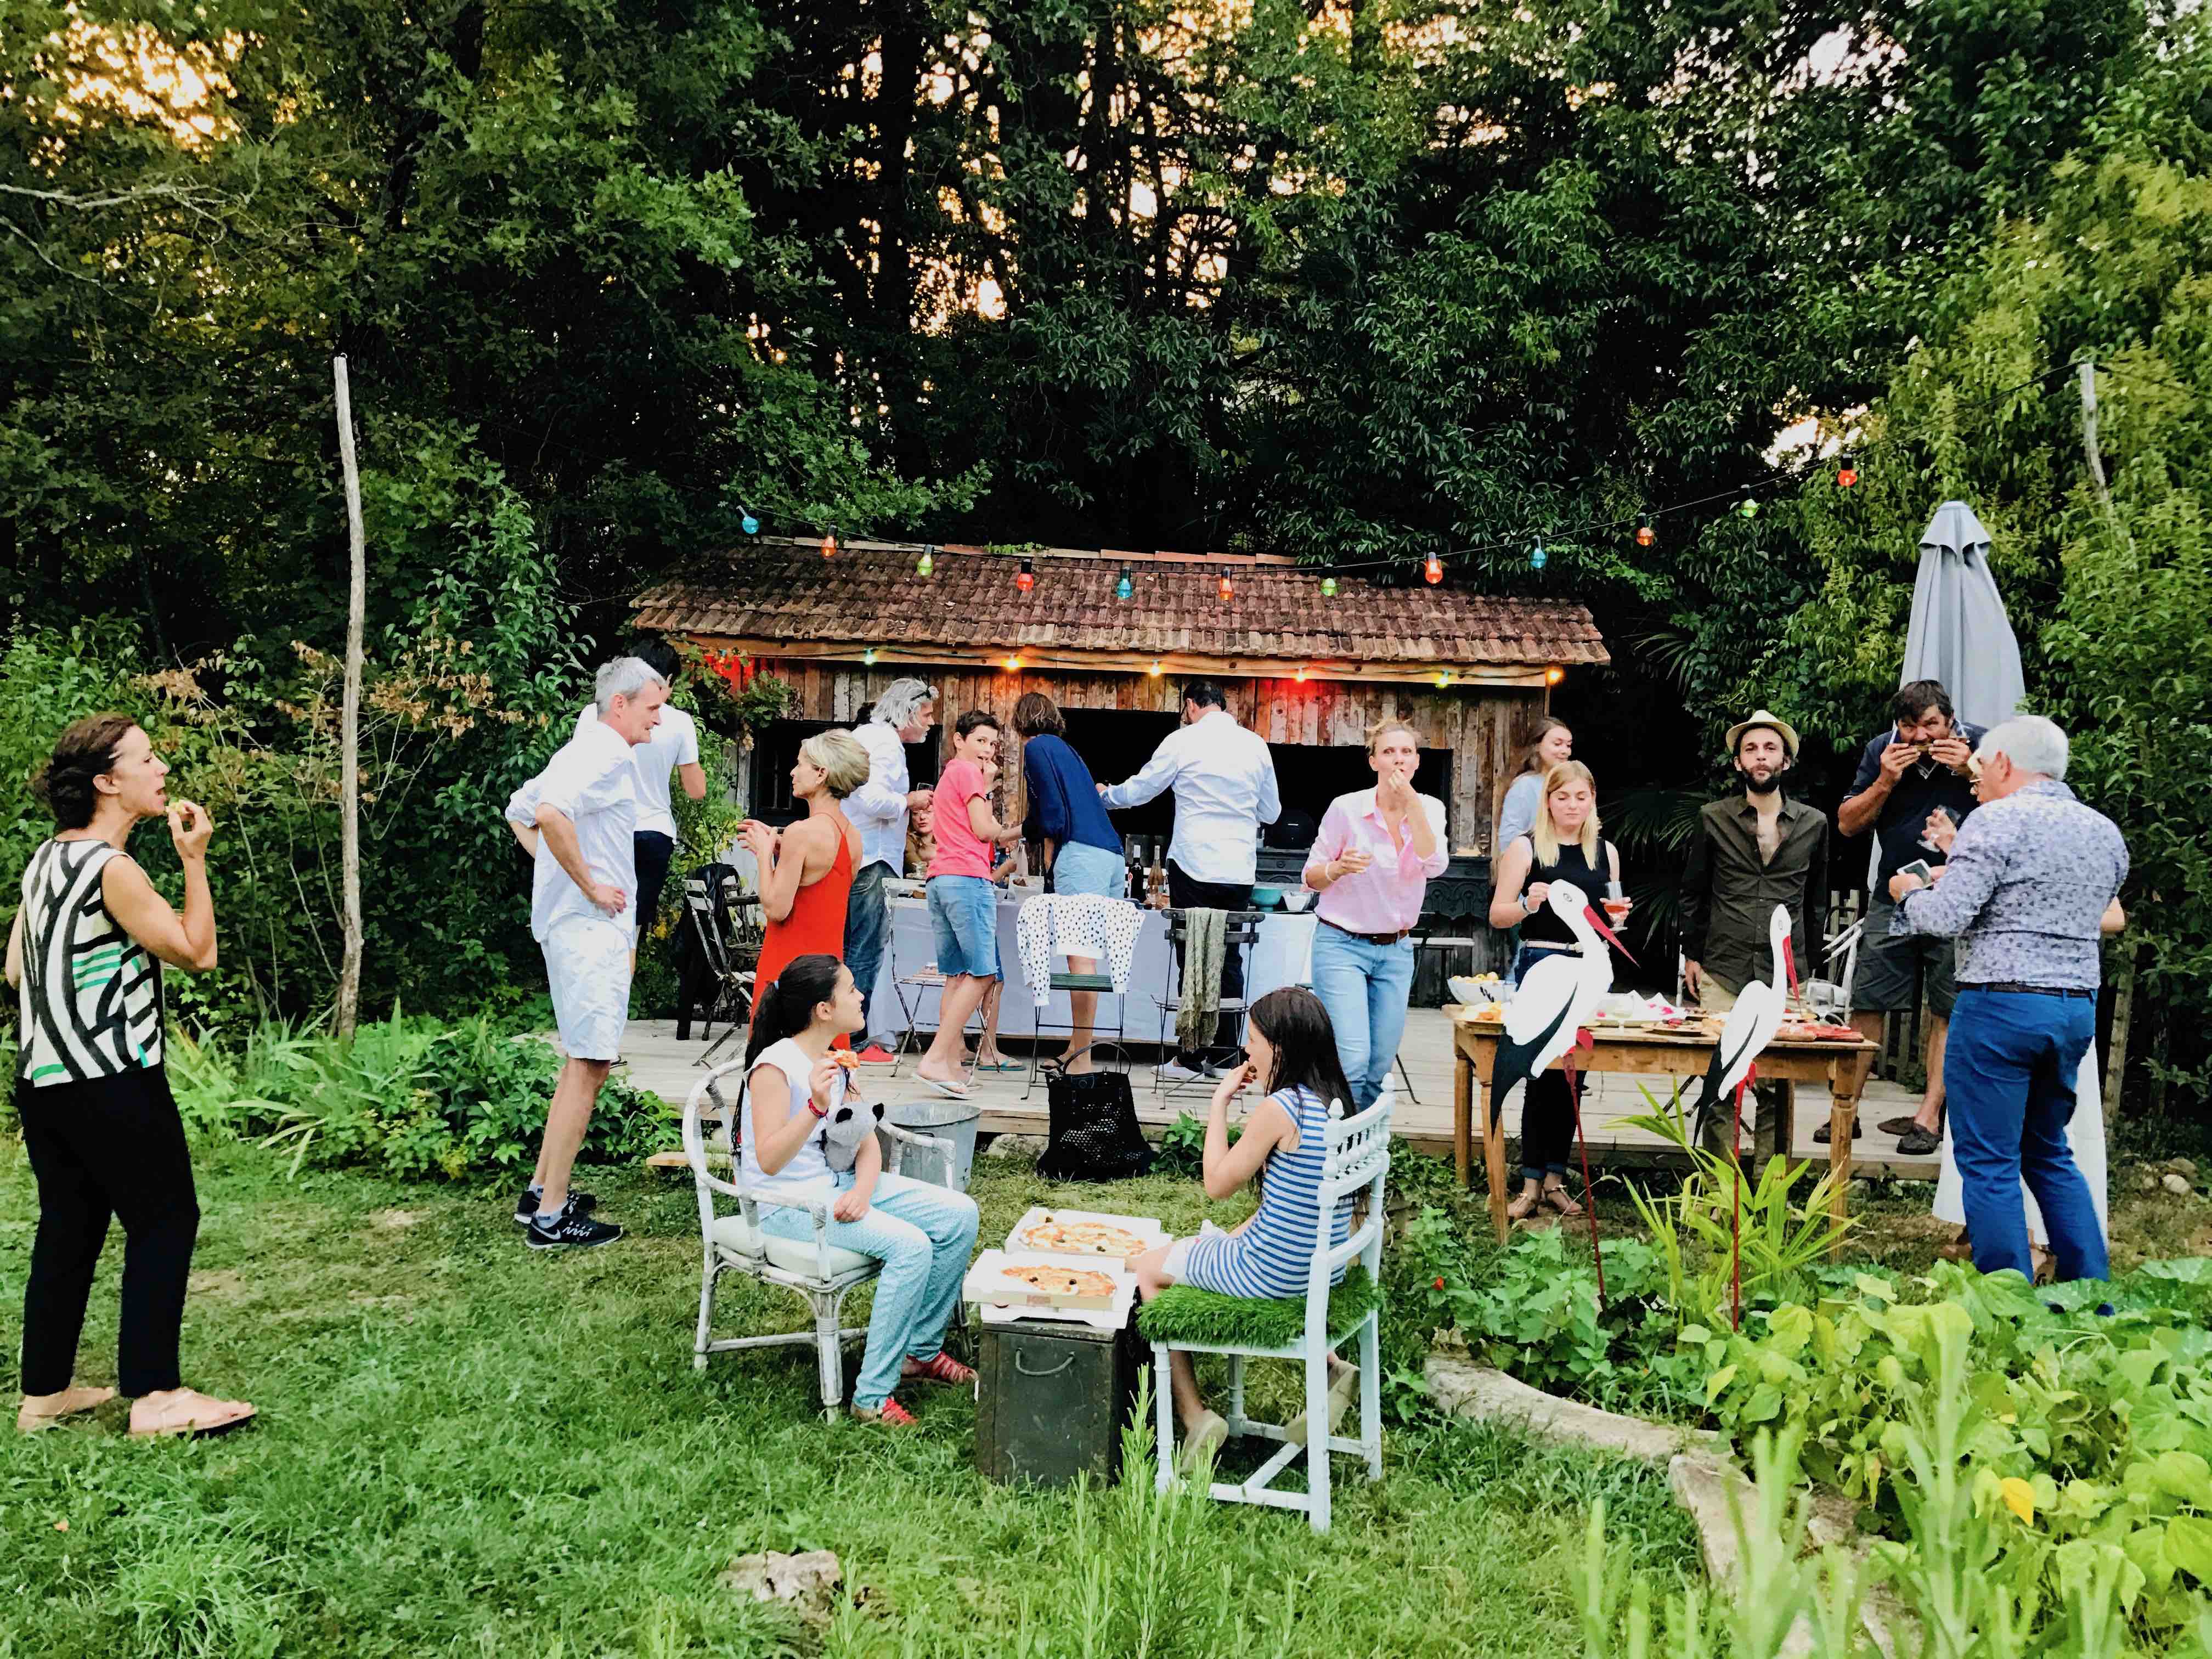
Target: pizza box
[(988, 1286), (1144, 1227)]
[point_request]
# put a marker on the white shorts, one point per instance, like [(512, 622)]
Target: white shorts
[(588, 965), (1179, 1252)]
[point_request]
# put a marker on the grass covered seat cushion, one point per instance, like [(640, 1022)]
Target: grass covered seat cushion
[(1184, 1313)]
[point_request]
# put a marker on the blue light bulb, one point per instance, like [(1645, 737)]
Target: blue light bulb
[(750, 524), (1124, 588), (1537, 557)]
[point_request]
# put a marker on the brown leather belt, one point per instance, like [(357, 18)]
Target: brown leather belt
[(1372, 939)]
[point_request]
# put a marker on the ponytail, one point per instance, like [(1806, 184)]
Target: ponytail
[(786, 1007)]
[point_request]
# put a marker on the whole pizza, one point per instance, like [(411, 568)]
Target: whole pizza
[(1060, 1281), (1081, 1238)]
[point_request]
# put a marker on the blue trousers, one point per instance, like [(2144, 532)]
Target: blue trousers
[(1365, 987), (922, 1234), (867, 926), (2008, 1070)]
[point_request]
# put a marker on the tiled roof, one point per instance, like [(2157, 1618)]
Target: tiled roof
[(784, 591)]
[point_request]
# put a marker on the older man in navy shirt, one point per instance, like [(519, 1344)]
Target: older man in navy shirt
[(2029, 877)]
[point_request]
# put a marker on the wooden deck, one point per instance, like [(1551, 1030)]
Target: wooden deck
[(655, 1061)]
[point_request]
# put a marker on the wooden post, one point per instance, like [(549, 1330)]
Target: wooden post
[(2116, 1050), (349, 1000), (2088, 375)]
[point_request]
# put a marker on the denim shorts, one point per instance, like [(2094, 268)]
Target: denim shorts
[(964, 913), (1079, 867)]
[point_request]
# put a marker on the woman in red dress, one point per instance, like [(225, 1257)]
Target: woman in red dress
[(807, 872)]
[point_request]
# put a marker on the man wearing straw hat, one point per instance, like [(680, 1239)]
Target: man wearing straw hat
[(1752, 851)]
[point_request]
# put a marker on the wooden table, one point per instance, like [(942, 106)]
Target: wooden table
[(1842, 1066)]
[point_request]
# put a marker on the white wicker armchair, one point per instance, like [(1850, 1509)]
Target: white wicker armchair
[(733, 1242)]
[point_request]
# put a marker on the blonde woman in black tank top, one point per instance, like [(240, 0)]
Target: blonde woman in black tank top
[(1563, 846)]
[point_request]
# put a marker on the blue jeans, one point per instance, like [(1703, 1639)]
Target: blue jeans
[(867, 926), (963, 917), (922, 1234), (2008, 1071), (1365, 987)]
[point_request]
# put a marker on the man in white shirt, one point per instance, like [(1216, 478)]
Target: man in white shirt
[(580, 814), (878, 810), (670, 752), (1223, 781)]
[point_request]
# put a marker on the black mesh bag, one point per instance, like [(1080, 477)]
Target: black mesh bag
[(1094, 1129)]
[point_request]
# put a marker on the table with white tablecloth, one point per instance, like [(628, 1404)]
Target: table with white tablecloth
[(1280, 955)]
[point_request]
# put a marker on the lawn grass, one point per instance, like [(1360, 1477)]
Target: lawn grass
[(469, 1448)]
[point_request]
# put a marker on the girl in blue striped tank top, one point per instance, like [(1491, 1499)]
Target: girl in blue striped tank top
[(1290, 1043)]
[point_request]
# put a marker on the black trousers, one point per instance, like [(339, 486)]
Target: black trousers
[(653, 852), (110, 1146), (1185, 893)]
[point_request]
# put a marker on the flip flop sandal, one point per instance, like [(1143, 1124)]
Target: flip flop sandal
[(1208, 1437), (1523, 1207), (950, 1091), (999, 1065), (192, 1429), (30, 1422), (1343, 1378), (1562, 1200)]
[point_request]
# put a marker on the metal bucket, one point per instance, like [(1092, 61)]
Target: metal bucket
[(953, 1120)]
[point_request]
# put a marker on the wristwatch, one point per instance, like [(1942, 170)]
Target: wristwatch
[(1527, 908)]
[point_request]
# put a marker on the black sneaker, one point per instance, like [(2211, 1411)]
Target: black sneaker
[(581, 1202), (574, 1230)]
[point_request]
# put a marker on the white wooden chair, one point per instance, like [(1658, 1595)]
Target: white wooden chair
[(1356, 1158), (822, 1272)]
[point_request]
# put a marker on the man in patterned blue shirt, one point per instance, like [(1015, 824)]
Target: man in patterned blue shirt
[(2029, 877)]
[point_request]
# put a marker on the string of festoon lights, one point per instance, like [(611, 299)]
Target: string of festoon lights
[(1642, 526)]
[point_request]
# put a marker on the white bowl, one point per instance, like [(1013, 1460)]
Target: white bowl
[(1297, 898)]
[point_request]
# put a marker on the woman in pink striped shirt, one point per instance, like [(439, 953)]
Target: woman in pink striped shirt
[(1372, 864)]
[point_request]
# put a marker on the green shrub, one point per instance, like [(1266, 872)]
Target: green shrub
[(2091, 1431), (410, 1095)]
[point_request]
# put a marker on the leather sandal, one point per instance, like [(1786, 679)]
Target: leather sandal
[(76, 1402), (1525, 1206), (202, 1415), (1562, 1200)]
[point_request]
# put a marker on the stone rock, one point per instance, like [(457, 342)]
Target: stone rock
[(808, 1583), (1010, 1145), (2176, 1184), (2183, 1166), (1466, 1389), (2146, 1182)]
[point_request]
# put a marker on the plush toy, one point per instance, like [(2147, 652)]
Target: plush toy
[(845, 1129)]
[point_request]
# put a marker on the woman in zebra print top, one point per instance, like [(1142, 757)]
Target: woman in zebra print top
[(99, 1122)]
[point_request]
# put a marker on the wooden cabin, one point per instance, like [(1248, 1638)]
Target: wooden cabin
[(1307, 670)]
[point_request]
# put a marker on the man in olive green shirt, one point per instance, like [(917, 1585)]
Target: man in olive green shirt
[(1752, 852)]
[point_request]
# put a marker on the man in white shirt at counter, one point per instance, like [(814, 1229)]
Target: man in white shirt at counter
[(878, 810), (1223, 781), (578, 815)]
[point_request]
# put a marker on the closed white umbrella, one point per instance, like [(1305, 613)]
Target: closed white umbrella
[(1960, 633)]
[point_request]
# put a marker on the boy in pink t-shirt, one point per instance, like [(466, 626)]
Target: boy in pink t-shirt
[(963, 906)]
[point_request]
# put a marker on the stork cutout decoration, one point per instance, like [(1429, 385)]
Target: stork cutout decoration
[(1759, 1009), (1556, 999)]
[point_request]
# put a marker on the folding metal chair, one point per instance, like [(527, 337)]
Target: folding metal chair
[(1241, 931), (727, 928), (1063, 978)]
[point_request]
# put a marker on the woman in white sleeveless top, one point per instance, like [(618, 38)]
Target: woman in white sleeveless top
[(99, 1123)]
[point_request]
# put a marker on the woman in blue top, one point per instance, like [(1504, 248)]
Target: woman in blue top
[(1289, 1043), (1082, 849)]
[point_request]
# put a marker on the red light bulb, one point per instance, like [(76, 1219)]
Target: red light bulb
[(1228, 589), (1027, 578), (1433, 570), (1846, 475)]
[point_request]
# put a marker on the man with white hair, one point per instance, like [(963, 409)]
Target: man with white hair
[(878, 810), (2029, 877), (583, 913)]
